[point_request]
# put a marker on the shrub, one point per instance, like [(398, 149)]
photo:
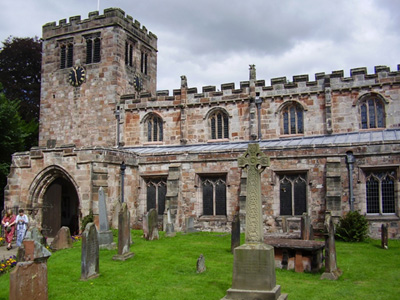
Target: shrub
[(352, 228), (87, 219)]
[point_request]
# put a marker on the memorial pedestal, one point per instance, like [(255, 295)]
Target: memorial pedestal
[(254, 274)]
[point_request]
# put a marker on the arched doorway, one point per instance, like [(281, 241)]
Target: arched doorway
[(60, 207)]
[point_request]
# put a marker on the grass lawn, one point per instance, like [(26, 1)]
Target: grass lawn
[(166, 269)]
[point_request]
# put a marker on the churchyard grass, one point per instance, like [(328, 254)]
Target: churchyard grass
[(166, 269)]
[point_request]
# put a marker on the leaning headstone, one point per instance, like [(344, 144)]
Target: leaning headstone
[(307, 232), (32, 250), (90, 253), (169, 228), (62, 240), (189, 225), (105, 234), (152, 219), (124, 234), (384, 236), (235, 232), (28, 280), (201, 264), (332, 272), (254, 262), (33, 233)]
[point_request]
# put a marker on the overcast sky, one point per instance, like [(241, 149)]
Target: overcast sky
[(214, 41)]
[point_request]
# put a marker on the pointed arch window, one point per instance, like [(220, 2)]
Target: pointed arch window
[(214, 195), (156, 191), (219, 125), (66, 55), (372, 113), (154, 128), (292, 119), (93, 47), (380, 190), (293, 191), (129, 46)]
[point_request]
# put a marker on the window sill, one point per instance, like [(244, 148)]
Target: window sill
[(385, 218), (152, 143), (213, 218), (218, 141), (282, 135)]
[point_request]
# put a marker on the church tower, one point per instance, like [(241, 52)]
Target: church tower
[(86, 66)]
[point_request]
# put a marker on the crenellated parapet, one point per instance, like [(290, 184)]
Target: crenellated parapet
[(111, 17)]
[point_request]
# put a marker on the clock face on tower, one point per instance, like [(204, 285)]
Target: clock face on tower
[(137, 82), (77, 76)]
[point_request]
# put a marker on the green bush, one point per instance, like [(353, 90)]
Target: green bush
[(352, 228), (87, 219)]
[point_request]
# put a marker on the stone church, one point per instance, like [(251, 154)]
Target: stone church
[(333, 141)]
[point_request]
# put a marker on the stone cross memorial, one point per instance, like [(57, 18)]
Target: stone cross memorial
[(254, 263), (105, 234), (90, 253), (124, 234)]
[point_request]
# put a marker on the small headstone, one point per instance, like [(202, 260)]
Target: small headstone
[(90, 253), (114, 219), (62, 240), (124, 234), (189, 225), (384, 236), (284, 225), (169, 228), (306, 228), (332, 272), (32, 250), (145, 226), (105, 234), (28, 280), (33, 233), (152, 219), (201, 264), (235, 232)]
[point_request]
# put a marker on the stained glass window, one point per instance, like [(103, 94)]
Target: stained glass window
[(293, 194), (292, 119)]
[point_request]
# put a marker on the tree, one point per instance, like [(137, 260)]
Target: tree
[(20, 67), (15, 134)]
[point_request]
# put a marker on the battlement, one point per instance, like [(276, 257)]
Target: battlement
[(111, 17)]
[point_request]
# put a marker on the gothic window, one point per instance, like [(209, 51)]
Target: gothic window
[(156, 191), (129, 53), (292, 119), (93, 50), (214, 195), (143, 63), (293, 194), (154, 128), (66, 56), (380, 192), (372, 112), (219, 125)]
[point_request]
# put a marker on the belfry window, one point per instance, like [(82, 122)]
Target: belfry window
[(93, 48), (66, 56), (156, 191), (219, 125), (214, 195), (129, 53), (372, 112), (380, 189), (143, 62), (154, 128), (292, 194), (292, 119)]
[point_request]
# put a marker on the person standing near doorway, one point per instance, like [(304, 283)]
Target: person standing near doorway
[(22, 226), (8, 223)]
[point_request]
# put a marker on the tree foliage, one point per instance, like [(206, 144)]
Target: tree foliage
[(352, 228), (20, 66)]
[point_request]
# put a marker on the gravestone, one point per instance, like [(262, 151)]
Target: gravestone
[(169, 228), (62, 240), (254, 262), (235, 231), (284, 224), (189, 225), (384, 236), (145, 226), (124, 234), (152, 221), (105, 234), (28, 280), (306, 228), (332, 272), (90, 253), (201, 264), (33, 233), (32, 250)]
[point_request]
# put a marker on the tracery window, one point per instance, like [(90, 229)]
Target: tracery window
[(292, 119), (372, 112), (66, 55), (93, 47), (293, 194), (214, 195), (380, 192), (219, 125), (154, 128), (156, 191)]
